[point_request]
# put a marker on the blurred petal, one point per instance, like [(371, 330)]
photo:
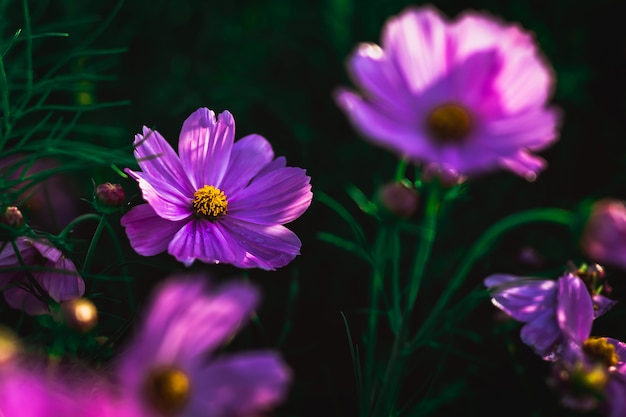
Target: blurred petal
[(241, 384), (574, 309), (62, 284), (542, 334), (524, 299)]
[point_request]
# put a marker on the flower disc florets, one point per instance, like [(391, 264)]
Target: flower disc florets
[(167, 389), (601, 350), (210, 202), (449, 123)]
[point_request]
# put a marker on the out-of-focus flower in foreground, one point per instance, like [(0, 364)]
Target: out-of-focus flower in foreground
[(399, 198), (543, 304), (604, 235), (168, 368), (469, 95), (218, 200), (46, 273)]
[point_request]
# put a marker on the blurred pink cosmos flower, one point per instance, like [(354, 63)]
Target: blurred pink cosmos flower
[(604, 236), (218, 200), (55, 274), (553, 310), (168, 368), (469, 95)]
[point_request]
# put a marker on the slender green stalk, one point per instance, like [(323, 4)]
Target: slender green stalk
[(76, 222), (400, 170), (425, 245), (481, 247), (94, 242)]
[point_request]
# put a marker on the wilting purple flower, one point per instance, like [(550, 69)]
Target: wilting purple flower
[(218, 201), (468, 95), (55, 275), (543, 304), (604, 235), (168, 367)]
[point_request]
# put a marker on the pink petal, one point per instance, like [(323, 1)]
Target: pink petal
[(574, 309), (157, 158), (168, 201), (205, 146), (64, 283), (242, 384), (277, 197), (417, 42), (206, 241), (148, 233), (266, 247), (250, 154)]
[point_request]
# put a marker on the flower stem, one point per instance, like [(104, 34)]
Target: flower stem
[(94, 242), (482, 246)]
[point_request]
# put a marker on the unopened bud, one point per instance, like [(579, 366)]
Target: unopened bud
[(447, 177), (111, 195), (12, 216), (79, 314), (399, 199)]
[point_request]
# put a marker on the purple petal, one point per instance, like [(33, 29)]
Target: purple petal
[(374, 72), (62, 284), (534, 129), (206, 241), (417, 42), (183, 323), (601, 305), (242, 384), (542, 334), (381, 127), (250, 154), (148, 233), (24, 300), (205, 146), (278, 197), (157, 159), (524, 299), (266, 247), (277, 163), (169, 202), (574, 308), (524, 164)]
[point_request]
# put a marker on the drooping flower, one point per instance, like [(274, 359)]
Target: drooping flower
[(218, 200), (543, 303), (168, 368), (469, 95), (604, 234), (51, 275)]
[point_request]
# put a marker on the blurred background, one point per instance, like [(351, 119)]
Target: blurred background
[(274, 65)]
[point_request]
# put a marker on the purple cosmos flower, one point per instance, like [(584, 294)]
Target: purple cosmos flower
[(543, 305), (469, 95), (218, 201), (604, 235), (590, 371), (168, 368), (55, 277)]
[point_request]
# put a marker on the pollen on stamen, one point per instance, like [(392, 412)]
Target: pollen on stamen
[(601, 350), (210, 202), (449, 122)]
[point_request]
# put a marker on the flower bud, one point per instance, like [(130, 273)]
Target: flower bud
[(12, 216), (111, 195), (399, 199), (79, 314), (604, 235), (447, 177)]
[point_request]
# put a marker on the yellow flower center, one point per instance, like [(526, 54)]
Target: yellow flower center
[(167, 390), (210, 202), (449, 122), (601, 350)]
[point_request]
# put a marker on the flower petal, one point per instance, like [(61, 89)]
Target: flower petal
[(21, 299), (574, 311), (249, 155), (149, 234), (205, 146), (277, 197), (206, 241), (542, 334), (241, 384), (524, 299), (169, 202), (157, 158), (266, 247), (417, 42), (63, 283), (601, 305)]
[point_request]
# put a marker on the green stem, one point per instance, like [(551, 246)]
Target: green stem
[(76, 222), (482, 246), (425, 245), (400, 170), (94, 242)]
